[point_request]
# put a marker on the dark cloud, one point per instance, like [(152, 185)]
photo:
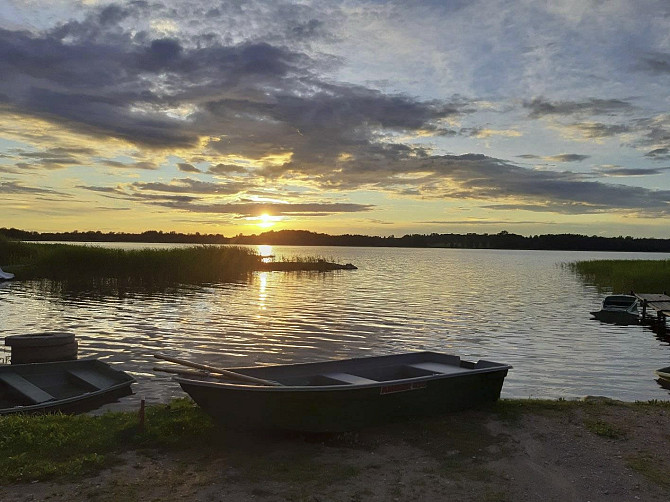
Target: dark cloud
[(595, 130), (52, 158), (478, 177), (96, 77), (187, 168), (256, 209), (130, 165), (541, 107), (187, 195), (99, 189), (15, 188), (568, 157), (657, 63), (222, 169), (632, 171), (659, 153), (190, 186)]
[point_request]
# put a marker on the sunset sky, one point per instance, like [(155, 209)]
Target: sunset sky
[(365, 117)]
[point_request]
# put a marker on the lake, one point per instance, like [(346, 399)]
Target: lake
[(517, 307)]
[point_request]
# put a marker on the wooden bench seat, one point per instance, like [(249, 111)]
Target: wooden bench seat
[(89, 377), (349, 378), (439, 368), (25, 388)]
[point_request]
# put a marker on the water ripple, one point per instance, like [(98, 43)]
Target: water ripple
[(517, 307)]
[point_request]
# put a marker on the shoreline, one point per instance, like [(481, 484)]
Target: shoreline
[(597, 449)]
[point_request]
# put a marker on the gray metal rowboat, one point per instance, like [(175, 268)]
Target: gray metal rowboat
[(347, 394), (68, 386)]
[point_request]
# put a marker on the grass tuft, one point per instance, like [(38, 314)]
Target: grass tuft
[(604, 429)]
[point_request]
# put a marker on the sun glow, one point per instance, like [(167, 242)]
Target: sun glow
[(265, 220)]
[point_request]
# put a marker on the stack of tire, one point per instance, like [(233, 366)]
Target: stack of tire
[(42, 347)]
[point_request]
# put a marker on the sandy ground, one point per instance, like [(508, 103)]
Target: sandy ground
[(592, 452)]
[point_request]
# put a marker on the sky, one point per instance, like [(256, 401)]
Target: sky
[(371, 117)]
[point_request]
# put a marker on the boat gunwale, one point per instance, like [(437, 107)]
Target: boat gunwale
[(205, 381)]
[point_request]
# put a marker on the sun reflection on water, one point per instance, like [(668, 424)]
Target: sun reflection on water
[(262, 286), (265, 253)]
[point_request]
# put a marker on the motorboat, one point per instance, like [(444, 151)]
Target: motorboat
[(618, 309)]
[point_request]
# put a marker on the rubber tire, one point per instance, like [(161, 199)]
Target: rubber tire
[(39, 339)]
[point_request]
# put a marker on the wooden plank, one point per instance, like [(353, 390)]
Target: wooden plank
[(653, 297), (27, 389), (349, 378)]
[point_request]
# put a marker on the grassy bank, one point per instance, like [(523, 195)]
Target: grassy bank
[(45, 446), (622, 276), (141, 268), (70, 447)]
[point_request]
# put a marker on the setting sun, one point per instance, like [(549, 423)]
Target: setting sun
[(265, 220)]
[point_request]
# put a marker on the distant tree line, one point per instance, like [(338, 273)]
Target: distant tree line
[(501, 240)]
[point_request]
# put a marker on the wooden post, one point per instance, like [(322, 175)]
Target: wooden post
[(141, 425), (644, 311)]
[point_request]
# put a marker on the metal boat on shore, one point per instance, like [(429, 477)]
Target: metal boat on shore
[(67, 386), (663, 375), (346, 394)]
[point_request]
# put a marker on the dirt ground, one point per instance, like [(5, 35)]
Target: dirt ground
[(602, 451)]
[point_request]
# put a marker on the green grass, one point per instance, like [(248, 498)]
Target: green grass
[(44, 446), (604, 429), (650, 467), (622, 276)]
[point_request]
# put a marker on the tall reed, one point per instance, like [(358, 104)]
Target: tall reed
[(104, 269), (622, 276), (97, 266)]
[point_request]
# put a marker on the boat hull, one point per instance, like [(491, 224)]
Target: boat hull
[(337, 408), (664, 377), (616, 317), (61, 386)]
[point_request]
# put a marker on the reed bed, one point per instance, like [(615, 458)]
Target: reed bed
[(98, 268), (623, 276)]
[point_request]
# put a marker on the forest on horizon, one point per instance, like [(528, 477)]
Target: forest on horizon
[(501, 240)]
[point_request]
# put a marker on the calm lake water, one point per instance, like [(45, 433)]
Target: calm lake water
[(517, 307)]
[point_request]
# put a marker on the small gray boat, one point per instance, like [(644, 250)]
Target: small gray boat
[(67, 386), (5, 276), (663, 375), (348, 394), (618, 309)]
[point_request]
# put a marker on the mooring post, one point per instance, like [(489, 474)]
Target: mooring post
[(141, 424)]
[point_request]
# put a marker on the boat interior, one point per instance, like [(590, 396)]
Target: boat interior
[(619, 302), (366, 371), (30, 386)]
